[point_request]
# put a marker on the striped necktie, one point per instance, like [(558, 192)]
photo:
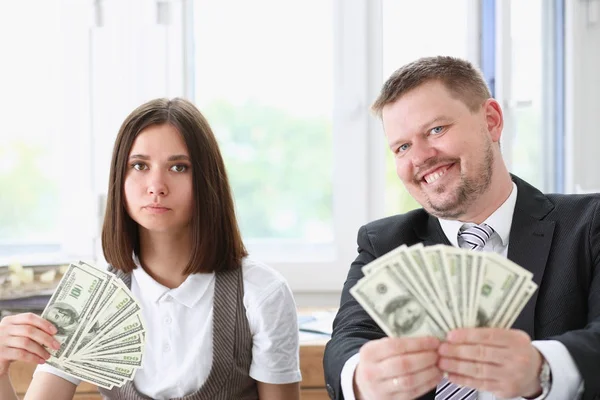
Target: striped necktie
[(447, 390), (473, 237)]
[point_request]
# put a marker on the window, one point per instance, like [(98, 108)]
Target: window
[(137, 54), (264, 80), (286, 87), (529, 86), (267, 75), (46, 209)]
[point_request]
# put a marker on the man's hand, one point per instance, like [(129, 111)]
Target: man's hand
[(499, 361), (397, 368)]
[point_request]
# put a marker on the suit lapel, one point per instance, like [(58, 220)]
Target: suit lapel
[(529, 243), (431, 233)]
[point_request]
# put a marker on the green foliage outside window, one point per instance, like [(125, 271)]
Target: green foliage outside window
[(29, 203), (280, 167)]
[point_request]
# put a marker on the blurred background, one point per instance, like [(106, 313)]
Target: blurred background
[(286, 86)]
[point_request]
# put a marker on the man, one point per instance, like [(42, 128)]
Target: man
[(444, 129)]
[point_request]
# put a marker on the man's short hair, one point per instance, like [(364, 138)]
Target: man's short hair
[(464, 81)]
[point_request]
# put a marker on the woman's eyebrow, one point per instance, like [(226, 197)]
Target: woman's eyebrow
[(177, 157)]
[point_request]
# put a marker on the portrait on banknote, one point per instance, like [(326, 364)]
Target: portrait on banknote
[(405, 315), (64, 317)]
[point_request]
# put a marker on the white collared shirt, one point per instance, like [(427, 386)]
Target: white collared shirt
[(566, 379), (179, 336), (500, 221)]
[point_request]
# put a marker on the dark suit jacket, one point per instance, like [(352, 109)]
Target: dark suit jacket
[(556, 237)]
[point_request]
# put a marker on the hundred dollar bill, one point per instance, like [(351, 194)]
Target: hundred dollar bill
[(392, 306), (453, 271), (104, 293), (118, 305), (112, 322), (126, 327), (476, 269), (501, 282), (109, 291), (127, 341), (102, 381), (464, 286), (135, 350), (468, 278), (71, 302), (404, 274), (118, 372), (436, 261), (518, 304), (397, 258), (136, 342), (118, 359), (471, 267), (430, 284), (408, 273)]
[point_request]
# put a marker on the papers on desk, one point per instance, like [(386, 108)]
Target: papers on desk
[(316, 325)]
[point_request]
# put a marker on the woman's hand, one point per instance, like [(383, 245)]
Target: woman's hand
[(22, 337)]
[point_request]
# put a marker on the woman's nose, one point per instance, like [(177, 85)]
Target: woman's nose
[(157, 185)]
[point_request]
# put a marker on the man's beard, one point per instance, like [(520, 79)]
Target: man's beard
[(466, 193)]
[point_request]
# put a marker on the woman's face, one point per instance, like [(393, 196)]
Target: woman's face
[(158, 184)]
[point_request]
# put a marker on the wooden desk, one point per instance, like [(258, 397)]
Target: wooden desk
[(312, 386)]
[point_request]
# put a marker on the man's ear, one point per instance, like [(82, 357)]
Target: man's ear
[(494, 119)]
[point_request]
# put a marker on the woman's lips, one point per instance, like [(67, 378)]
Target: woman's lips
[(156, 209)]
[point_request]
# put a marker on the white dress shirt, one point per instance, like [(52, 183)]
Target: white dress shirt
[(179, 336), (566, 379)]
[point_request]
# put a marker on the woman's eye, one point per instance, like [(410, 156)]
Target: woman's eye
[(437, 130), (179, 168), (138, 166)]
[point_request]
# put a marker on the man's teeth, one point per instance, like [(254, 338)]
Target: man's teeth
[(434, 177)]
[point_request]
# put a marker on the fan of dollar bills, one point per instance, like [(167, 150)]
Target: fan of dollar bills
[(100, 327), (428, 291)]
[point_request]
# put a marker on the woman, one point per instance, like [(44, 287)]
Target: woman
[(219, 325)]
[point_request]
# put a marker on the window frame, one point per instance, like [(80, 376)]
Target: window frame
[(496, 63)]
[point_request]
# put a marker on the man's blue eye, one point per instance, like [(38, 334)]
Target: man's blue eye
[(437, 130), (403, 148)]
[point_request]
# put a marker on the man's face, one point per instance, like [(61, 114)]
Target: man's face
[(59, 317), (443, 151)]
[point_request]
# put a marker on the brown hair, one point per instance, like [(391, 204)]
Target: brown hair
[(460, 77), (216, 239)]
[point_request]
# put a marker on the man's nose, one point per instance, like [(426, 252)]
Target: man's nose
[(421, 152)]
